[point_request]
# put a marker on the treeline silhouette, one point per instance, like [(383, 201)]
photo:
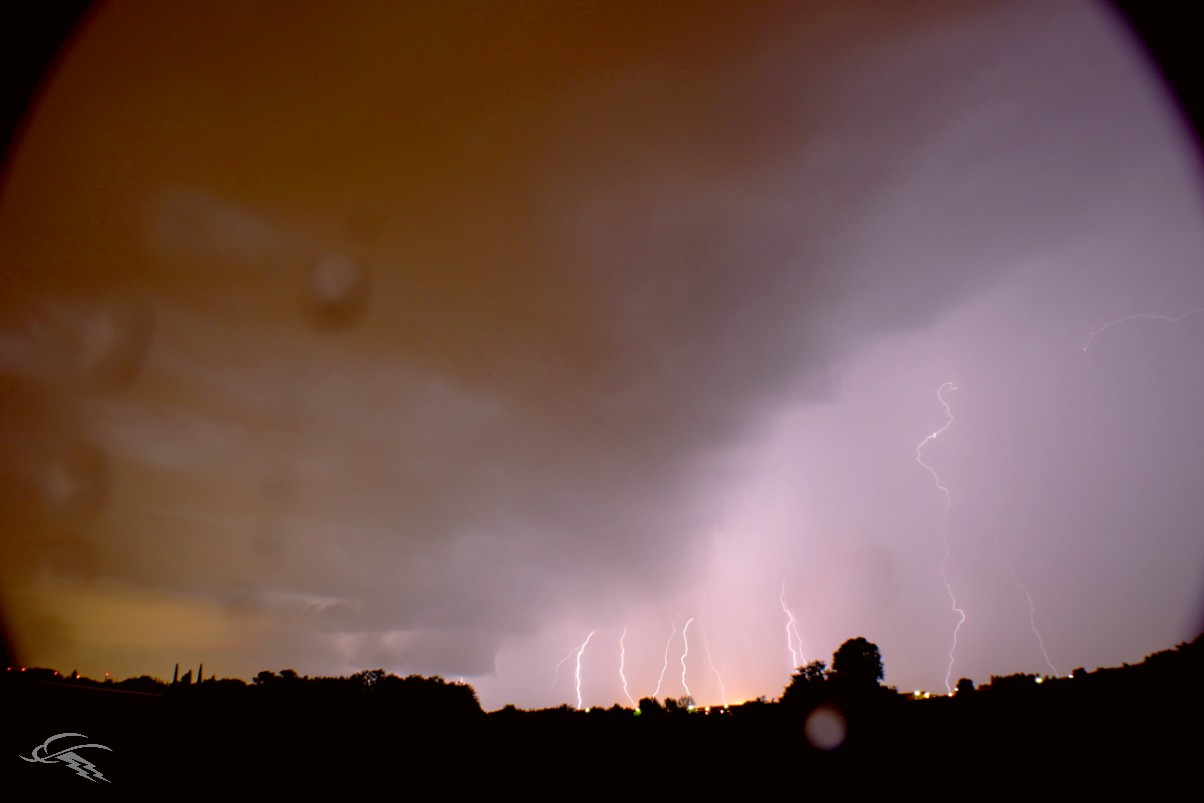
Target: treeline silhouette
[(830, 720), (856, 672)]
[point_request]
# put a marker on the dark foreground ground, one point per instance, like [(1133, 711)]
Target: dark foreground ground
[(1136, 727)]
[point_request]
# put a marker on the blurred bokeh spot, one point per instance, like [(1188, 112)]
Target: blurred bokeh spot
[(825, 728), (336, 291)]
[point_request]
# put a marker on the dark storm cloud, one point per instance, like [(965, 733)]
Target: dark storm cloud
[(458, 317)]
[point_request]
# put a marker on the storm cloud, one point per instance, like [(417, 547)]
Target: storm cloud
[(437, 339)]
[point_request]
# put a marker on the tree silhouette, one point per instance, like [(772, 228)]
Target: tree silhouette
[(807, 685), (857, 664), (650, 706), (814, 672)]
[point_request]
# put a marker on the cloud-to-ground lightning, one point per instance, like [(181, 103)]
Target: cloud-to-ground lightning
[(706, 644), (556, 669), (556, 674), (665, 666), (1032, 606), (1150, 316), (685, 650), (622, 664), (947, 387), (794, 643), (580, 651)]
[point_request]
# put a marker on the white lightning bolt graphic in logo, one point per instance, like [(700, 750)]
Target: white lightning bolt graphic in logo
[(665, 666), (961, 614), (82, 767), (622, 663), (1148, 316), (794, 643)]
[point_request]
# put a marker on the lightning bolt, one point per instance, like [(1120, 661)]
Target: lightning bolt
[(685, 650), (622, 662), (556, 674), (947, 387), (556, 669), (581, 650), (792, 637), (665, 665), (1032, 606), (82, 767), (1149, 316), (706, 644)]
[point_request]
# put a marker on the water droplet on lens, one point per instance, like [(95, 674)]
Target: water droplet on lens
[(336, 291), (114, 339), (825, 728), (76, 482)]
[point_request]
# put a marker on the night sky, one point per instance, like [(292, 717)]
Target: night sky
[(437, 340)]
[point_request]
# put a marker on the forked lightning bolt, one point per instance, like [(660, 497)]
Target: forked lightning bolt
[(576, 651), (556, 674), (580, 651), (1032, 606), (947, 387), (792, 637)]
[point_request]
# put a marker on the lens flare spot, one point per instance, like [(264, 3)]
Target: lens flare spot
[(336, 291), (825, 728)]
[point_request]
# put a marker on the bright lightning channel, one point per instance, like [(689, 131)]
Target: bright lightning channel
[(792, 637), (622, 663), (665, 665), (947, 387), (1032, 606), (1148, 316), (685, 650), (581, 650)]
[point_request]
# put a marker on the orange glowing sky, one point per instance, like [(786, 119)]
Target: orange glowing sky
[(336, 337)]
